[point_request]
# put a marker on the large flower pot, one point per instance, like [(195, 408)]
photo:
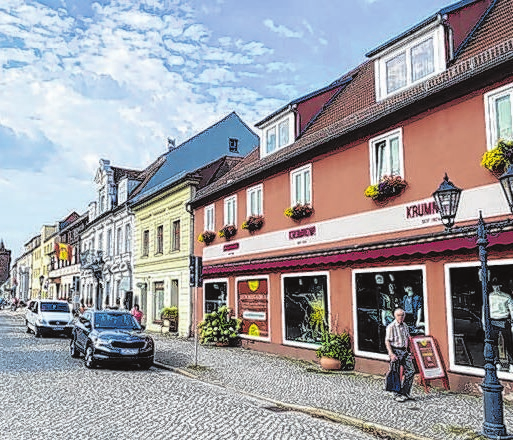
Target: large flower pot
[(330, 364)]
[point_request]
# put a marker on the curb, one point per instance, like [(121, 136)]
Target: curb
[(368, 427)]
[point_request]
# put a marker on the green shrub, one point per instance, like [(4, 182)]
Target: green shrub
[(337, 346), (169, 312), (219, 327)]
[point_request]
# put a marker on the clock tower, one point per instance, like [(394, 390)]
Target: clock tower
[(5, 262)]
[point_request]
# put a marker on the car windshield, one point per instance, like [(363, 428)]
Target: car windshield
[(54, 307), (111, 320)]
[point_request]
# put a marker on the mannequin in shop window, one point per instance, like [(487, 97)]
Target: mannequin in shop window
[(501, 311), (412, 306)]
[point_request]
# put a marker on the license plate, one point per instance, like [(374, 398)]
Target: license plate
[(129, 351), (58, 328)]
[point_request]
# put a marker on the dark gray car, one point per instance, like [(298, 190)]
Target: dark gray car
[(111, 336)]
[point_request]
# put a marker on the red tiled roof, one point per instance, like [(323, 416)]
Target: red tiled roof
[(355, 108)]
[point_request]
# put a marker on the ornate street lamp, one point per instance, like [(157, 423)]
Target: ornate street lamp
[(447, 198)]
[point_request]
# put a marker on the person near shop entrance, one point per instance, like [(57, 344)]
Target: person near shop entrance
[(501, 312), (397, 338)]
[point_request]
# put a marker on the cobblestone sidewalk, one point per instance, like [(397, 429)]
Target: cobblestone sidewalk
[(347, 397)]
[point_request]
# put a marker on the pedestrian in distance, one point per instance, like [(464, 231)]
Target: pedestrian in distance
[(397, 338), (137, 314)]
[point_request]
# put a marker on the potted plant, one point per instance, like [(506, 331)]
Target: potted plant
[(299, 211), (207, 237), (169, 316), (498, 158), (335, 352), (253, 223), (219, 328), (227, 231), (388, 186)]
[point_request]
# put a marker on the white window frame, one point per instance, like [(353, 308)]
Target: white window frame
[(421, 267), (213, 281), (490, 115), (301, 171), (260, 206), (283, 321), (110, 239), (210, 219), (439, 57), (374, 178), (274, 124), (227, 202), (476, 371), (119, 240), (128, 238)]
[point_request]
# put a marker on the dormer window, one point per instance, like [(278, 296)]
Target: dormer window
[(277, 134), (410, 62), (233, 145)]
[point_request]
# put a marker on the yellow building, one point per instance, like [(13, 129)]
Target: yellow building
[(163, 228)]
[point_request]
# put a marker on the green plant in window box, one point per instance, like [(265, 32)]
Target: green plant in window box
[(207, 237), (337, 346), (388, 186), (498, 158), (219, 328), (299, 211), (253, 223), (227, 231)]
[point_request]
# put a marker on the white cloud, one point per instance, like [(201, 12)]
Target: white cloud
[(281, 30)]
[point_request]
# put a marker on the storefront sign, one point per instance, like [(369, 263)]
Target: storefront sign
[(255, 316), (299, 233), (426, 212), (428, 359), (230, 247)]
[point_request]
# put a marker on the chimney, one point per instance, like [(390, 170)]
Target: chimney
[(171, 144)]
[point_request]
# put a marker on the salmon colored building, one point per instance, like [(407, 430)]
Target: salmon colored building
[(343, 243)]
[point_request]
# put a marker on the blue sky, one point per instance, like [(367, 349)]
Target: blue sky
[(83, 80)]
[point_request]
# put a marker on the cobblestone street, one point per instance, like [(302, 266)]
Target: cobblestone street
[(47, 395)]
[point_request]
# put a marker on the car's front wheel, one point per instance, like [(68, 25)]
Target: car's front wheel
[(146, 364), (73, 350), (89, 357), (37, 332)]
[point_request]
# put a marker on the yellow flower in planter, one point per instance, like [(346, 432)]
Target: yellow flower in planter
[(372, 191)]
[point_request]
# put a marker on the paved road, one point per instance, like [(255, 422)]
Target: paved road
[(45, 394)]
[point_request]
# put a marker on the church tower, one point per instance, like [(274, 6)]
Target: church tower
[(5, 262)]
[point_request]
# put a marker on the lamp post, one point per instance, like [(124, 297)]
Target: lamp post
[(447, 198)]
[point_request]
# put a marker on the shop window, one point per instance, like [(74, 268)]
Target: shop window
[(252, 307), (216, 294), (467, 315), (305, 307), (378, 294)]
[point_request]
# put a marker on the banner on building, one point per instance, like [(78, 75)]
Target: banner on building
[(63, 251)]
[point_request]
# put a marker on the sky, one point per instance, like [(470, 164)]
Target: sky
[(82, 80)]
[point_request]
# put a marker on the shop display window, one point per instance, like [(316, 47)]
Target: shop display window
[(378, 294), (252, 307), (215, 296), (467, 315), (306, 307)]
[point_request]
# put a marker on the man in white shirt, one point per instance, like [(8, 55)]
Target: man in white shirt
[(397, 339)]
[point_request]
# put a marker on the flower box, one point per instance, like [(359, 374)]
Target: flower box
[(388, 186), (227, 231), (207, 237), (299, 211), (253, 223), (498, 158)]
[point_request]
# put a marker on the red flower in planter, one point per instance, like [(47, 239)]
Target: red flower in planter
[(227, 231)]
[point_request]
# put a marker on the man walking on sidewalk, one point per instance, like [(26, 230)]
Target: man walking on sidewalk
[(397, 338)]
